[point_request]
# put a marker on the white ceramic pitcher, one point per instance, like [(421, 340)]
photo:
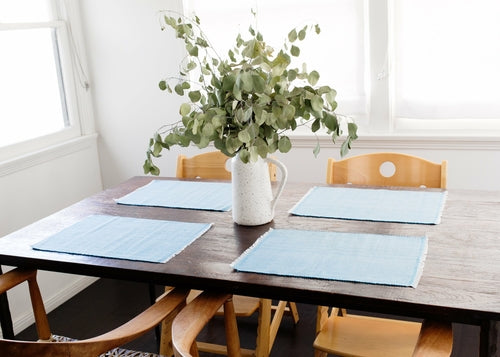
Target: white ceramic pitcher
[(253, 199)]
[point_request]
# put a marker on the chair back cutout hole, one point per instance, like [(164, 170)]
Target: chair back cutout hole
[(387, 169)]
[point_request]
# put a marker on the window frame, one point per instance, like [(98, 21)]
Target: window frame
[(76, 99)]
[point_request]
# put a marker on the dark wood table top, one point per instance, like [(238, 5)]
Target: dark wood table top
[(460, 281)]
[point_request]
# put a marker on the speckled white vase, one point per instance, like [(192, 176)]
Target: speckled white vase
[(253, 199)]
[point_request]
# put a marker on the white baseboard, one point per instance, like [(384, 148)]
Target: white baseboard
[(27, 319)]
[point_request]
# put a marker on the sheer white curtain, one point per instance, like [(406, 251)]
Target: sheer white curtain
[(337, 53), (446, 59)]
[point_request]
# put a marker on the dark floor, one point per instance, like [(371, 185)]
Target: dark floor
[(108, 303)]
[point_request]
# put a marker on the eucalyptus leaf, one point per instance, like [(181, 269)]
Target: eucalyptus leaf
[(284, 144), (254, 154), (195, 96), (313, 78), (352, 128), (345, 147), (317, 103), (302, 34), (317, 148), (315, 125), (193, 51), (184, 109), (208, 130), (157, 148), (246, 81), (258, 83), (244, 155), (178, 89)]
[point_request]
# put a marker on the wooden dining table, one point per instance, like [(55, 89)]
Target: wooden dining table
[(460, 280)]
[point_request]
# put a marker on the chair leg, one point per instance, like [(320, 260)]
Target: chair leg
[(5, 316), (194, 350), (275, 323), (166, 348), (231, 327), (318, 353), (293, 310), (263, 329)]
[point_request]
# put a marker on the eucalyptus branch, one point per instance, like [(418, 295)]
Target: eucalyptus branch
[(194, 23), (168, 127), (247, 103)]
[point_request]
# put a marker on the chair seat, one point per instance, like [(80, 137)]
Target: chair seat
[(355, 335), (115, 352)]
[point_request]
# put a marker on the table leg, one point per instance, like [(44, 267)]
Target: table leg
[(489, 345), (5, 316)]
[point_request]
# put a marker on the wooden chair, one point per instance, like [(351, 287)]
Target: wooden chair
[(212, 165), (365, 169), (57, 346), (191, 320), (354, 335), (209, 165)]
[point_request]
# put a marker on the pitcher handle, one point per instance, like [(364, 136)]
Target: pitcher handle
[(284, 177)]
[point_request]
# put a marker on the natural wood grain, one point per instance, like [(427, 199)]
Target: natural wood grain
[(365, 169), (209, 165), (366, 336), (166, 308), (191, 320), (354, 335), (435, 339), (459, 283)]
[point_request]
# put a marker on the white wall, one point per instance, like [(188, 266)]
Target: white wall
[(128, 55), (36, 186)]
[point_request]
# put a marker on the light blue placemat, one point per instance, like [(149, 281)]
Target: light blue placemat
[(404, 206), (125, 238), (212, 196), (355, 257)]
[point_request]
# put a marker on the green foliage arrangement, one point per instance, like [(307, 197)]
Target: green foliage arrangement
[(247, 102)]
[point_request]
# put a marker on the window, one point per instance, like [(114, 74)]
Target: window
[(37, 90), (338, 52), (399, 66), (446, 56)]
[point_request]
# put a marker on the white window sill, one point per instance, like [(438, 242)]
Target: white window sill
[(401, 141), (47, 154)]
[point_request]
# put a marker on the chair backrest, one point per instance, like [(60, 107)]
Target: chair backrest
[(191, 320), (435, 339), (209, 165), (371, 169), (166, 308)]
